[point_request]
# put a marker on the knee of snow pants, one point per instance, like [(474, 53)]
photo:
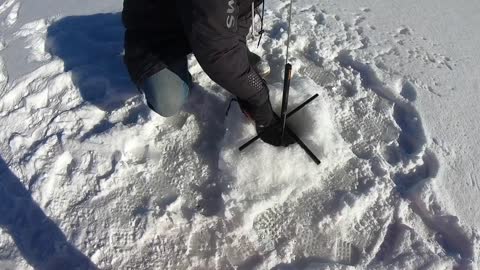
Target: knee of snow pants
[(167, 90)]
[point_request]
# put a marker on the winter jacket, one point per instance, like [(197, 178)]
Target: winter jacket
[(160, 31)]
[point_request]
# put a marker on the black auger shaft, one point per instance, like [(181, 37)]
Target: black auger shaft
[(286, 90)]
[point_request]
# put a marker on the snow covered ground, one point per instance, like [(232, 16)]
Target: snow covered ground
[(90, 177)]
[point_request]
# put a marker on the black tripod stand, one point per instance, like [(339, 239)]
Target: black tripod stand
[(284, 115)]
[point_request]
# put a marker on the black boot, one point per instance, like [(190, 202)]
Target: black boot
[(259, 109)]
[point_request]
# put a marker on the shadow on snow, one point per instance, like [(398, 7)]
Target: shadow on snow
[(92, 50), (40, 241)]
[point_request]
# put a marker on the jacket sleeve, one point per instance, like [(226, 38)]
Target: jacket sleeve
[(217, 38)]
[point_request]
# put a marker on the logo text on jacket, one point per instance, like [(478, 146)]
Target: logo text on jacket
[(231, 18)]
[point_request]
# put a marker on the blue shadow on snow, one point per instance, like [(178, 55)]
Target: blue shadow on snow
[(39, 240), (91, 48)]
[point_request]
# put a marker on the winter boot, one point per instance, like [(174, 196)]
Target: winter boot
[(259, 109)]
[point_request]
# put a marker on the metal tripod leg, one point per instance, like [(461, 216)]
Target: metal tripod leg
[(290, 132), (241, 148), (300, 142)]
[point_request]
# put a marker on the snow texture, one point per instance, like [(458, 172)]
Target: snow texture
[(91, 178)]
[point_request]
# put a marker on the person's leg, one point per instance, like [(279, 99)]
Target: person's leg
[(167, 90)]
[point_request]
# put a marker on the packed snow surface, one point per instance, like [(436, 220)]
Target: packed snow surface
[(91, 178)]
